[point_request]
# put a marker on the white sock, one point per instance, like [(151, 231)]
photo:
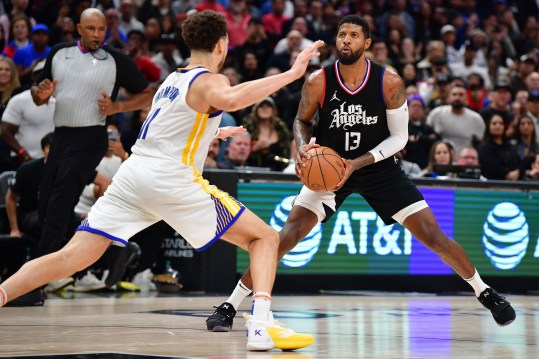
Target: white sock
[(261, 306), (239, 293), (477, 283), (3, 297)]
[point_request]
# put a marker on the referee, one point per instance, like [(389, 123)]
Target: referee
[(85, 78)]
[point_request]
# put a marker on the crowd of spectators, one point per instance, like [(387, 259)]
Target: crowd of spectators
[(470, 70)]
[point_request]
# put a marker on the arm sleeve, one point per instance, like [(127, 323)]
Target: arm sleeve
[(397, 122)]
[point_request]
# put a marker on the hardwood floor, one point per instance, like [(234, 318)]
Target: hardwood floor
[(365, 325)]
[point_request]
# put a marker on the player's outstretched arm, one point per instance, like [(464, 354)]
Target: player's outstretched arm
[(221, 95)]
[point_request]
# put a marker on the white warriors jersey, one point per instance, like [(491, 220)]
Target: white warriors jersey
[(173, 130)]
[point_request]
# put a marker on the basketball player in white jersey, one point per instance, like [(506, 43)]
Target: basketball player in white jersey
[(162, 180)]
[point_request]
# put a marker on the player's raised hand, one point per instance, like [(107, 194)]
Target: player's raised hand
[(302, 61), (229, 131), (46, 88), (302, 156)]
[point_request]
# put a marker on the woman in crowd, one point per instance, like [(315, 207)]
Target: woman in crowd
[(9, 87), (441, 153), (269, 135), (498, 157)]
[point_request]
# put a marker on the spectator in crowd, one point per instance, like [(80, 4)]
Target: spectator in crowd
[(532, 81), (411, 169), (63, 31), (19, 9), (441, 153), (18, 35), (282, 59), (154, 9), (524, 137), (237, 17), (115, 37), (21, 201), (409, 75), (468, 156), (248, 66), (532, 108), (499, 103), (440, 90), (270, 136), (498, 157), (285, 44), (455, 122), (210, 5), (168, 59), (136, 48), (256, 41), (525, 66), (24, 124), (477, 40), (449, 38), (26, 57), (475, 92), (532, 172), (128, 21), (213, 152), (273, 21), (22, 197), (420, 135), (237, 152), (518, 106), (467, 65), (9, 87), (435, 50)]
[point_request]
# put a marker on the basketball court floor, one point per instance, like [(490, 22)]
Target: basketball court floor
[(345, 325)]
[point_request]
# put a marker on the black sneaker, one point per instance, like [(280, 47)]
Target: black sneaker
[(501, 309), (34, 298), (125, 256), (221, 320)]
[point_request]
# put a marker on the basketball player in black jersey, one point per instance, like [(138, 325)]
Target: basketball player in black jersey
[(363, 115)]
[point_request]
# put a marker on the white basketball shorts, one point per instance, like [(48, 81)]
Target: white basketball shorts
[(146, 190)]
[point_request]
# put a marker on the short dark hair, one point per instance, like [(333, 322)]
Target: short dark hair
[(46, 140), (357, 20), (202, 30)]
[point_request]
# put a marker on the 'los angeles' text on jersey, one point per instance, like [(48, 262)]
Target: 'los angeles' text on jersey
[(353, 121)]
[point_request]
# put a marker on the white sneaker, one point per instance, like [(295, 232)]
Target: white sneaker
[(144, 281), (59, 284), (88, 283), (272, 334)]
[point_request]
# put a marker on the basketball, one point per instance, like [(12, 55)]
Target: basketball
[(323, 170)]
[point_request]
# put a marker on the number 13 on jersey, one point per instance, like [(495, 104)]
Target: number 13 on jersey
[(352, 141)]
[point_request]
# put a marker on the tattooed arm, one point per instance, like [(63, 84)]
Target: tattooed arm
[(311, 97)]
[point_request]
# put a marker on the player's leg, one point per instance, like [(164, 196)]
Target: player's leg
[(82, 250), (299, 223), (249, 232), (425, 228)]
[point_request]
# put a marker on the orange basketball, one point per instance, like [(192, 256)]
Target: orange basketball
[(323, 170)]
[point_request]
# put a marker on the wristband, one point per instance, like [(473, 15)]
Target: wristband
[(21, 150)]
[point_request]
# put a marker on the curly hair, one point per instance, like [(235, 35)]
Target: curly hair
[(202, 30)]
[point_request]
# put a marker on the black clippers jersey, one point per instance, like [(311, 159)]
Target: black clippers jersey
[(353, 121)]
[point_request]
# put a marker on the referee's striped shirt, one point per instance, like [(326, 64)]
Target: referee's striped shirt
[(82, 75)]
